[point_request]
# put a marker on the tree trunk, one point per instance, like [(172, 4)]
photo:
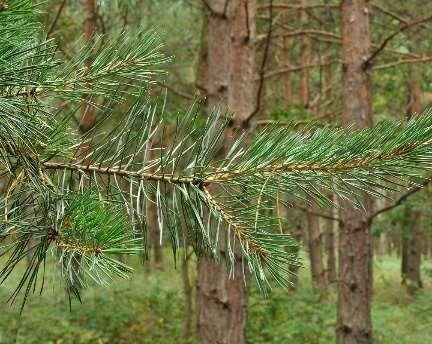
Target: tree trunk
[(411, 250), (331, 227), (313, 225), (154, 233), (88, 116), (221, 301), (305, 60), (315, 254), (297, 234), (187, 288), (354, 324), (411, 231), (287, 76)]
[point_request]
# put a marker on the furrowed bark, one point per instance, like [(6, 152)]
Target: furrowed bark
[(354, 324), (222, 302)]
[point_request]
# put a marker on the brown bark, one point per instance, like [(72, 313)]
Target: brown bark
[(287, 76), (201, 81), (411, 231), (221, 301), (315, 254), (305, 60), (411, 250), (331, 227), (154, 233), (88, 116), (354, 324), (297, 234), (187, 288)]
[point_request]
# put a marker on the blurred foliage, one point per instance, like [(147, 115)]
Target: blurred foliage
[(149, 309)]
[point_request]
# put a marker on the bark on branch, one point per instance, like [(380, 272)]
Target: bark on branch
[(384, 43), (401, 199)]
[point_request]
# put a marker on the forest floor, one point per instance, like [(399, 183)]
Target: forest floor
[(149, 309)]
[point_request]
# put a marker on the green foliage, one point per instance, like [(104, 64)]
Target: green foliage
[(141, 311), (86, 235), (210, 199)]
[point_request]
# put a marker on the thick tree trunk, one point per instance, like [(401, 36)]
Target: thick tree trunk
[(354, 324), (315, 254), (221, 301)]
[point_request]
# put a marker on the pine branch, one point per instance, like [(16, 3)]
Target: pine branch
[(243, 234), (167, 178)]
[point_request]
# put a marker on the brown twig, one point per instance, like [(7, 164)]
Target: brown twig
[(273, 73), (262, 70), (296, 7), (390, 13), (401, 199), (323, 215), (56, 18), (403, 61), (292, 33), (381, 47), (175, 91)]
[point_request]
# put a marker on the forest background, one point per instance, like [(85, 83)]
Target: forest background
[(294, 65)]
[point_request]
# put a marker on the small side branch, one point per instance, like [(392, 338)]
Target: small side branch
[(323, 215), (58, 14), (262, 69), (243, 235), (404, 197), (403, 61), (384, 43), (175, 91)]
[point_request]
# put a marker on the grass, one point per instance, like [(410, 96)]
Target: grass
[(149, 309)]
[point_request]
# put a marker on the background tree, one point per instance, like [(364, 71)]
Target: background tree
[(398, 34)]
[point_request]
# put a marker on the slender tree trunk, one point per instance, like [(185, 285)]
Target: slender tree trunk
[(411, 250), (297, 233), (411, 231), (305, 60), (88, 116), (187, 288), (287, 76), (221, 301), (331, 226), (313, 239), (315, 254), (154, 233), (354, 324)]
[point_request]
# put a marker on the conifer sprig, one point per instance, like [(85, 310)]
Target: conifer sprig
[(85, 198)]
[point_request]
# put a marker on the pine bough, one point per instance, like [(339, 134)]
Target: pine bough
[(84, 199)]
